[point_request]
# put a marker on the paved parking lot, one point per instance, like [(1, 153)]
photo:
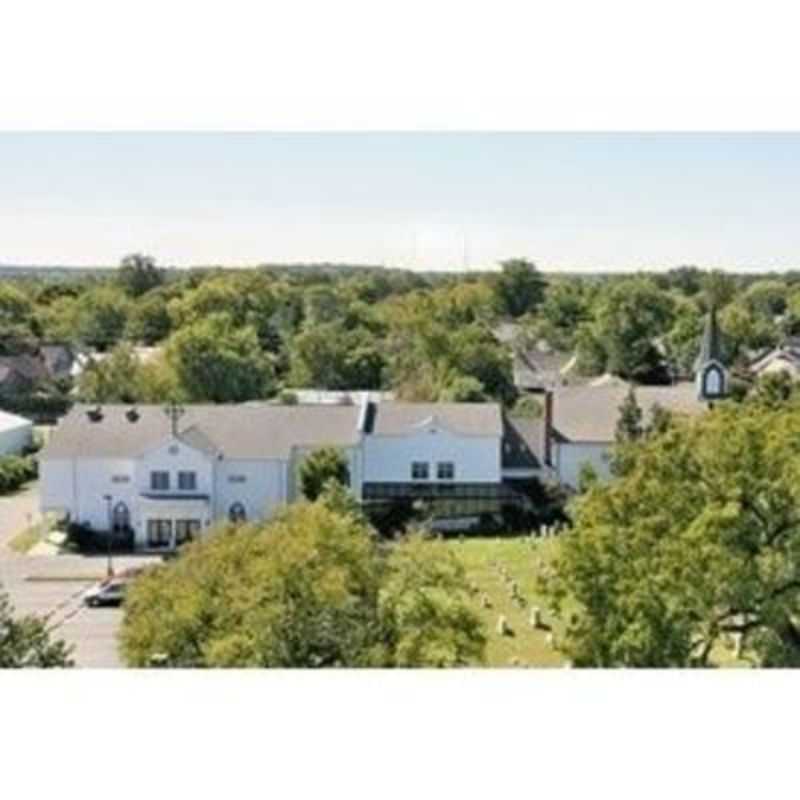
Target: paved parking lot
[(53, 586)]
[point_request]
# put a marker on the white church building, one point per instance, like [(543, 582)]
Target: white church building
[(167, 474)]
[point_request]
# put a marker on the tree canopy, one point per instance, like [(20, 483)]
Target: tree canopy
[(26, 641), (312, 588), (694, 551)]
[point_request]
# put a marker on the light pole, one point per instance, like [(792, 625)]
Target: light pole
[(109, 565)]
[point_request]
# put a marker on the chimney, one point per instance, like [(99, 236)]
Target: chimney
[(547, 428)]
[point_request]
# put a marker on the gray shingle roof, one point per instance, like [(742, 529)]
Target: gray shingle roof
[(236, 431), (590, 413), (469, 419), (523, 441)]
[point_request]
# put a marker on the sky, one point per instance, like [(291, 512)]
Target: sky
[(418, 200)]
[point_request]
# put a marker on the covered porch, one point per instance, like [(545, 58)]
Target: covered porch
[(168, 521)]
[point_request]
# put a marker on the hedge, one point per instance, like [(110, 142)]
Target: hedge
[(15, 471)]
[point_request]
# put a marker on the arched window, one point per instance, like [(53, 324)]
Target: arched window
[(713, 382), (120, 518), (237, 513)]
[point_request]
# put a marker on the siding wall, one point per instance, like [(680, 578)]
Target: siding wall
[(569, 457)]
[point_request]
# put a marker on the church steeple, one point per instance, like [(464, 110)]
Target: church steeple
[(710, 374)]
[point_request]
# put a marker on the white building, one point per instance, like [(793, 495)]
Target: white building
[(167, 476), (581, 423), (16, 433)]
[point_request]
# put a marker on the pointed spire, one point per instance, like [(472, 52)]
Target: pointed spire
[(710, 344)]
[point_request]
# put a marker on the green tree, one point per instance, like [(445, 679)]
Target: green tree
[(149, 321), (16, 317), (216, 362), (312, 588), (698, 543), (26, 641), (519, 288), (425, 606), (319, 468), (114, 379), (327, 356), (630, 315), (773, 390), (629, 423), (138, 274), (102, 313)]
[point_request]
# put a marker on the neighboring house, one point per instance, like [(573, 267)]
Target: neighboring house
[(784, 358), (16, 433), (535, 367), (582, 421), (168, 476), (22, 373), (59, 360)]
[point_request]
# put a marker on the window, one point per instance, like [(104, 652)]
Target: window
[(159, 481), (419, 470), (445, 470), (159, 533), (237, 478), (120, 479), (237, 513), (120, 518), (186, 530), (187, 481)]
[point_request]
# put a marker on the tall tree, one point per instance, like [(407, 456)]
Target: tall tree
[(138, 274), (697, 544), (519, 288), (217, 362)]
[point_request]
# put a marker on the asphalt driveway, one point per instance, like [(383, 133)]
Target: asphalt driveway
[(53, 586)]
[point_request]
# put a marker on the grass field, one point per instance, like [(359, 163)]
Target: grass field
[(492, 566)]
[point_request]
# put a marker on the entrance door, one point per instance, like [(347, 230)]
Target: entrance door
[(159, 534)]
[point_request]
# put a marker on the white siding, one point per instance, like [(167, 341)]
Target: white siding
[(261, 493), (174, 457), (56, 488), (572, 455), (387, 459)]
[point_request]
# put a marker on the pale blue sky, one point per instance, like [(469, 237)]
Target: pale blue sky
[(568, 201)]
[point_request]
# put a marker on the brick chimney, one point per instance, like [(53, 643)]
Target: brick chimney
[(547, 428)]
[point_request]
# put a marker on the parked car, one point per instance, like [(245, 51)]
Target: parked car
[(110, 592)]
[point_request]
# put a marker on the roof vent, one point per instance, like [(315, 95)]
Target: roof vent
[(132, 415), (95, 413)]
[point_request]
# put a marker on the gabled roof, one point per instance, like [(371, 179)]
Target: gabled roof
[(711, 343), (235, 431), (590, 413), (468, 419), (523, 443)]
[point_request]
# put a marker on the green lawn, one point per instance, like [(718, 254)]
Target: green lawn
[(25, 540), (484, 560)]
